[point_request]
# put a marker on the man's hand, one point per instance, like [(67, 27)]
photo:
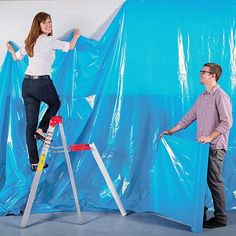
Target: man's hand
[(167, 132), (204, 139), (171, 131)]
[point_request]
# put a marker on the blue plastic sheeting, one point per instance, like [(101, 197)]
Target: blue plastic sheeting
[(120, 93), (183, 164)]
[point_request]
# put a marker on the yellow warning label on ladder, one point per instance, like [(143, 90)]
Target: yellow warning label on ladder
[(41, 162)]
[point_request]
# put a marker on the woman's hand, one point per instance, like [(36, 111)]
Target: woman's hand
[(10, 48), (12, 51), (76, 33), (73, 41)]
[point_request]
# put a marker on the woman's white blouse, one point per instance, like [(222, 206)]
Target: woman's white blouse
[(44, 54)]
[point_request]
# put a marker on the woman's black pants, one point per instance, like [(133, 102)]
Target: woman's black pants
[(35, 91)]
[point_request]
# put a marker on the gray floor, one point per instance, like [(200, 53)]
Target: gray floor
[(105, 223)]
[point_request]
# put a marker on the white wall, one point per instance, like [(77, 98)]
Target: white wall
[(92, 17)]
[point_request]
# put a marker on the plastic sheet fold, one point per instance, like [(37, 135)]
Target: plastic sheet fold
[(181, 163)]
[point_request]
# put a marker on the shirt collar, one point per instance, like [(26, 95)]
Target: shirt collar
[(212, 90), (43, 35)]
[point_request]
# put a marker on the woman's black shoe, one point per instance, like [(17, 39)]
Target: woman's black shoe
[(34, 167), (38, 136)]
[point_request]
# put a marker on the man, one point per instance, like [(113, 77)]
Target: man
[(213, 112)]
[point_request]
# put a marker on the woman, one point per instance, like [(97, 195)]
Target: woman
[(37, 85)]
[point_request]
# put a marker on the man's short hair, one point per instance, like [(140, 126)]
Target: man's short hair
[(215, 69)]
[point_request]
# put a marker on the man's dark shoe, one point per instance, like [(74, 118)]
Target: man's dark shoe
[(38, 136), (205, 214), (204, 217), (213, 223)]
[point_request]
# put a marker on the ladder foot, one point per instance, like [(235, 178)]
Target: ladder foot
[(23, 226)]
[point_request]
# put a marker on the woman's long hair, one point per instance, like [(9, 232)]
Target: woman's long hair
[(35, 32)]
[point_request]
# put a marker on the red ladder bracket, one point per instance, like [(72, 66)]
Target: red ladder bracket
[(79, 147)]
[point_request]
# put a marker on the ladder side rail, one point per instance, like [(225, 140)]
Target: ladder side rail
[(70, 173), (107, 178), (37, 176)]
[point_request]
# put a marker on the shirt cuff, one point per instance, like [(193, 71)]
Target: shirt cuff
[(66, 47), (221, 129), (19, 55)]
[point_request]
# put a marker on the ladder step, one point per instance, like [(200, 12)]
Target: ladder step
[(71, 148), (79, 147)]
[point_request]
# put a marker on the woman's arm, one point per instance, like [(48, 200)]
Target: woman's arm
[(73, 41), (12, 51)]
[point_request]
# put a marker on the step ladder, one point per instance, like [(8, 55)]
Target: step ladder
[(57, 120)]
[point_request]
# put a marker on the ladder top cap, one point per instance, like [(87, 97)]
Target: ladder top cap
[(55, 120)]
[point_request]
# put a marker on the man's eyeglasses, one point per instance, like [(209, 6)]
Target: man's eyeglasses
[(204, 71)]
